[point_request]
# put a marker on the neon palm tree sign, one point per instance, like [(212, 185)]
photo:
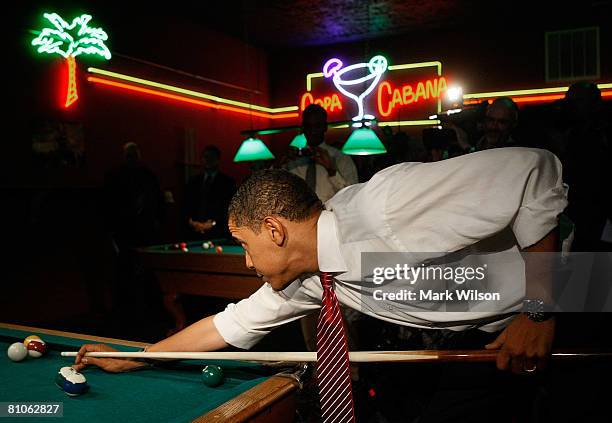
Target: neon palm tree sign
[(353, 88), (69, 41)]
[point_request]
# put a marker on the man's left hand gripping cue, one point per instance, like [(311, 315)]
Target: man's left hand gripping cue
[(525, 345)]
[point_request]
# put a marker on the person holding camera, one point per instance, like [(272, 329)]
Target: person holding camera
[(324, 168)]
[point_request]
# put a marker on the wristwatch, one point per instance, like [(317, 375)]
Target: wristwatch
[(535, 310), (539, 317)]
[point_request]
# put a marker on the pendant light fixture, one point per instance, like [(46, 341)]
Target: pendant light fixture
[(299, 141), (363, 141), (253, 149)]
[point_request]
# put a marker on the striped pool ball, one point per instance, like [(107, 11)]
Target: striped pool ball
[(36, 348), (29, 338)]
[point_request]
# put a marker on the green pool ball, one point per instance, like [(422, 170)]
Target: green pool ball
[(212, 375)]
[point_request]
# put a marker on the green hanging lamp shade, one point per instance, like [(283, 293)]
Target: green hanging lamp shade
[(253, 149), (299, 141), (363, 142)]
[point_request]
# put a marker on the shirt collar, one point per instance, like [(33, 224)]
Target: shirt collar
[(328, 244)]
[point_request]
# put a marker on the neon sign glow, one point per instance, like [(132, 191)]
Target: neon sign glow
[(528, 96), (188, 100), (389, 97), (69, 41), (353, 88), (330, 103), (191, 93)]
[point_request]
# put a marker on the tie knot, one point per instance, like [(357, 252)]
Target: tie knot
[(326, 279)]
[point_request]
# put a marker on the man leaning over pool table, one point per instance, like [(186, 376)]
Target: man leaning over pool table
[(289, 237)]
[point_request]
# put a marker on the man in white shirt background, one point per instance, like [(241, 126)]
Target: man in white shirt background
[(325, 169), (289, 238)]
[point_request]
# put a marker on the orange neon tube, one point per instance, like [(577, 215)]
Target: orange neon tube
[(533, 98), (536, 98), (191, 100)]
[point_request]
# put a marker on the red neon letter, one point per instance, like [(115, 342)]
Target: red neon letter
[(431, 88), (303, 102), (441, 86), (327, 102), (420, 92), (408, 94), (380, 102), (335, 102)]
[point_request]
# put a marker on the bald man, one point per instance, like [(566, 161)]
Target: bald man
[(500, 120)]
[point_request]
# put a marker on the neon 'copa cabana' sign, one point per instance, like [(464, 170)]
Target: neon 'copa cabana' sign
[(376, 88)]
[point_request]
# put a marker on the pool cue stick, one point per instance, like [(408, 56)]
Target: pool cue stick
[(354, 356)]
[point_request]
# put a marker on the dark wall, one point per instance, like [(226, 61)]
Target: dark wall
[(111, 117), (60, 255)]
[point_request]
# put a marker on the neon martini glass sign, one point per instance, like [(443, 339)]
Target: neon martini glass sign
[(354, 88)]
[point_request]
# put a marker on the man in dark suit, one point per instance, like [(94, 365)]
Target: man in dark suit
[(207, 198), (133, 201)]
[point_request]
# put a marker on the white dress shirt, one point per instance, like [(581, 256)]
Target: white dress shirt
[(438, 207), (327, 186)]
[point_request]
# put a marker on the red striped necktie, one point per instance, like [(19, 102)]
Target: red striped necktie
[(333, 372)]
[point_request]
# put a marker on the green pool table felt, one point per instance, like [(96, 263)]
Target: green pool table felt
[(229, 247), (174, 393)]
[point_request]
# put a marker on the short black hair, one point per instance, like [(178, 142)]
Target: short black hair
[(314, 109), (212, 149), (272, 192), (509, 104)]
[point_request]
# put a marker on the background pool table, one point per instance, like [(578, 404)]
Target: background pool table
[(174, 394), (199, 271)]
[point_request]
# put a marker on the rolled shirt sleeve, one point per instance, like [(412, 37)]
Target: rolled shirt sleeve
[(544, 198), (245, 323)]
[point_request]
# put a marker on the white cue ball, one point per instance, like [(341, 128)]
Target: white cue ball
[(17, 351)]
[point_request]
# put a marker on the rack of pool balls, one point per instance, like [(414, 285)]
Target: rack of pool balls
[(32, 346), (179, 246), (207, 245), (182, 246)]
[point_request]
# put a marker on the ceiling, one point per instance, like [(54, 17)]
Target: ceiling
[(273, 23), (281, 24), (297, 23)]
